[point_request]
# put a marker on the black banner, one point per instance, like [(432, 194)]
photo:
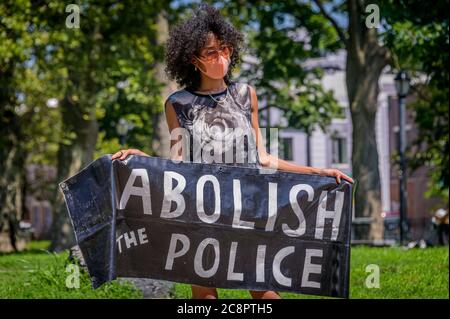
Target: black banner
[(212, 225)]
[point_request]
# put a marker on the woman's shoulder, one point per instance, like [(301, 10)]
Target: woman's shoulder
[(242, 89), (179, 97), (240, 85), (242, 92), (184, 96)]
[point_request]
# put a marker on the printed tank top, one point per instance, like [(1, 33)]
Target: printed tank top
[(218, 128)]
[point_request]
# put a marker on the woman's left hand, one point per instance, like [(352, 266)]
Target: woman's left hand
[(336, 173)]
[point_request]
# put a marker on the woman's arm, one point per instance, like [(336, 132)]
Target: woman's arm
[(268, 160), (172, 123)]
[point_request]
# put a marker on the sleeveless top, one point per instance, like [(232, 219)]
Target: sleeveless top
[(217, 132)]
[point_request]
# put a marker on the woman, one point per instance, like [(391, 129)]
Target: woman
[(201, 54)]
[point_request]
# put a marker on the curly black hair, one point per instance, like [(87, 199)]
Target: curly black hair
[(188, 37)]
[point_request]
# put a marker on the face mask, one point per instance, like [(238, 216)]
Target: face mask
[(215, 69)]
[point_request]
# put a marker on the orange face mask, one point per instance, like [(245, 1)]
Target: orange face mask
[(215, 69)]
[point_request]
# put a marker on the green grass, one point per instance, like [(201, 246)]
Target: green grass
[(415, 273), (36, 273)]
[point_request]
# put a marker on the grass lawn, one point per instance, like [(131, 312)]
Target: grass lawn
[(414, 273), (36, 273)]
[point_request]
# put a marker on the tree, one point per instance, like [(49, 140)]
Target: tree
[(366, 59), (114, 44), (17, 40), (319, 33), (103, 70)]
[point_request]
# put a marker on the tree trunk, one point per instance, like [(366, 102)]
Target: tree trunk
[(71, 158), (12, 161), (365, 166), (366, 59), (81, 128), (14, 178), (161, 138), (7, 120)]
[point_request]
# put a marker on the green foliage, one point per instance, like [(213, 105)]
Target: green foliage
[(418, 34), (115, 45), (412, 273), (40, 58), (431, 147)]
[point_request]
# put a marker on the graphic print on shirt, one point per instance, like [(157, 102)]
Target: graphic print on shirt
[(219, 132)]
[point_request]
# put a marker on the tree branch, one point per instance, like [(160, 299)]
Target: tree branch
[(332, 21), (355, 46)]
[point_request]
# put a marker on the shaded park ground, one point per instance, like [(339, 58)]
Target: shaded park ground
[(413, 273)]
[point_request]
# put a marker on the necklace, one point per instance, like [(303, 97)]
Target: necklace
[(212, 91), (221, 101)]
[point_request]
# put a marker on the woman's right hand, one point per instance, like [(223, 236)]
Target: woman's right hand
[(123, 154)]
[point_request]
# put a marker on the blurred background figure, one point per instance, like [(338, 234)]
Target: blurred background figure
[(440, 224)]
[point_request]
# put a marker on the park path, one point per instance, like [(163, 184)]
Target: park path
[(150, 288)]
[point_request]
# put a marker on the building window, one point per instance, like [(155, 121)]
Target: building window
[(286, 149), (339, 150)]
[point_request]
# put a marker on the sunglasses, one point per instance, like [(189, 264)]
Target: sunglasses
[(213, 54)]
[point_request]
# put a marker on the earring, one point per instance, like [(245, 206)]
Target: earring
[(195, 69)]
